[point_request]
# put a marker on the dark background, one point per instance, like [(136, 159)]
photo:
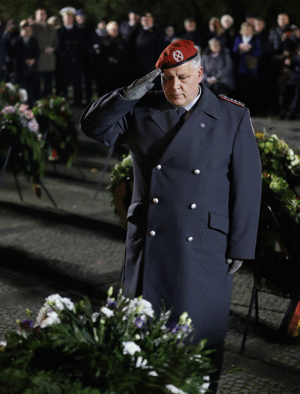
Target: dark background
[(164, 11)]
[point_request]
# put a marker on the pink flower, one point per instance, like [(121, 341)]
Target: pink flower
[(28, 114), (9, 109), (23, 107)]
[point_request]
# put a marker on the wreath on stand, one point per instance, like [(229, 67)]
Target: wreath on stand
[(55, 118), (22, 142)]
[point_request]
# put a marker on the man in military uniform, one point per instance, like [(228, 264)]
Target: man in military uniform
[(194, 212), (69, 50)]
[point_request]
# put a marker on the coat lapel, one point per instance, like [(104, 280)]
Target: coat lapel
[(165, 117), (195, 128)]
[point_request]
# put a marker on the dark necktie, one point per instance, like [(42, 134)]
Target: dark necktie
[(180, 112)]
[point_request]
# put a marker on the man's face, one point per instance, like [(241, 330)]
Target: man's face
[(80, 19), (190, 26), (133, 17), (181, 84), (40, 16), (147, 20), (26, 31), (282, 20), (68, 18), (259, 25)]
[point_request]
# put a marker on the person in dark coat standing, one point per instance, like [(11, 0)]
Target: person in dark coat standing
[(246, 52), (47, 39), (195, 206), (148, 46), (218, 68), (86, 61), (69, 50), (6, 50), (25, 54)]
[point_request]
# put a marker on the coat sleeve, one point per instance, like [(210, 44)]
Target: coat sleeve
[(106, 119), (245, 192)]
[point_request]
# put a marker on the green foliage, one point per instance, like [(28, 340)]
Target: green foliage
[(55, 117), (121, 172), (281, 170), (123, 348)]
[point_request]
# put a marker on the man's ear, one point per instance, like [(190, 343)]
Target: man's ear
[(200, 74)]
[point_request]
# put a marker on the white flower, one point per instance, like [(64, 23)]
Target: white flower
[(153, 373), (108, 312), (140, 363), (24, 95), (295, 160), (174, 389), (130, 348), (95, 316), (58, 302), (205, 386), (3, 343), (10, 86), (141, 307), (52, 318), (33, 126)]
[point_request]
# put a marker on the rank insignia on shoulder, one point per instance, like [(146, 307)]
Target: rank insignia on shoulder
[(222, 96)]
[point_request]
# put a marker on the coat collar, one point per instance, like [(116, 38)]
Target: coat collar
[(204, 115), (207, 103)]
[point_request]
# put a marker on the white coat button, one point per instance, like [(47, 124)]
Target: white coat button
[(189, 239), (196, 171), (193, 206), (158, 167), (155, 200), (152, 233)]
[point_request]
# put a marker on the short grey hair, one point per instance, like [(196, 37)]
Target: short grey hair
[(196, 62)]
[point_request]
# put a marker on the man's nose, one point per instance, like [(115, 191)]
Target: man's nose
[(176, 83)]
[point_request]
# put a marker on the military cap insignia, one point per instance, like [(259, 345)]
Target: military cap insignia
[(222, 96)]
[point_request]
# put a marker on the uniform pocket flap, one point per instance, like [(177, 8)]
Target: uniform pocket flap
[(134, 209), (218, 222)]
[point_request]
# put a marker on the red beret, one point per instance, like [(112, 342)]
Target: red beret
[(177, 53)]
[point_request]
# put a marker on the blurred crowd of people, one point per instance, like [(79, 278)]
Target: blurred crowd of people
[(253, 64)]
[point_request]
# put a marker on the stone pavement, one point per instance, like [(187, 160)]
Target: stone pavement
[(77, 248)]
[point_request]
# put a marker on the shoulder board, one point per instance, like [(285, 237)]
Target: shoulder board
[(223, 97)]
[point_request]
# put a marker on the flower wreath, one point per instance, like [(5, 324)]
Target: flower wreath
[(20, 130), (123, 347), (55, 117)]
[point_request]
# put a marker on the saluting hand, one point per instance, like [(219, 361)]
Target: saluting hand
[(234, 265), (140, 87)]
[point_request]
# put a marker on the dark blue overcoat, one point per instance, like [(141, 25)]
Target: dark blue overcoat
[(195, 202)]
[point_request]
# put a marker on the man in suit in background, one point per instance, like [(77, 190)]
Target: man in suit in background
[(26, 53), (195, 206), (47, 39)]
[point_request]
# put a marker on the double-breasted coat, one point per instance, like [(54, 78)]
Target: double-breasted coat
[(195, 202)]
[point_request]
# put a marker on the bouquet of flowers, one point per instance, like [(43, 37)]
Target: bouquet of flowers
[(55, 117), (277, 157), (122, 348), (19, 131), (11, 94), (281, 169)]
